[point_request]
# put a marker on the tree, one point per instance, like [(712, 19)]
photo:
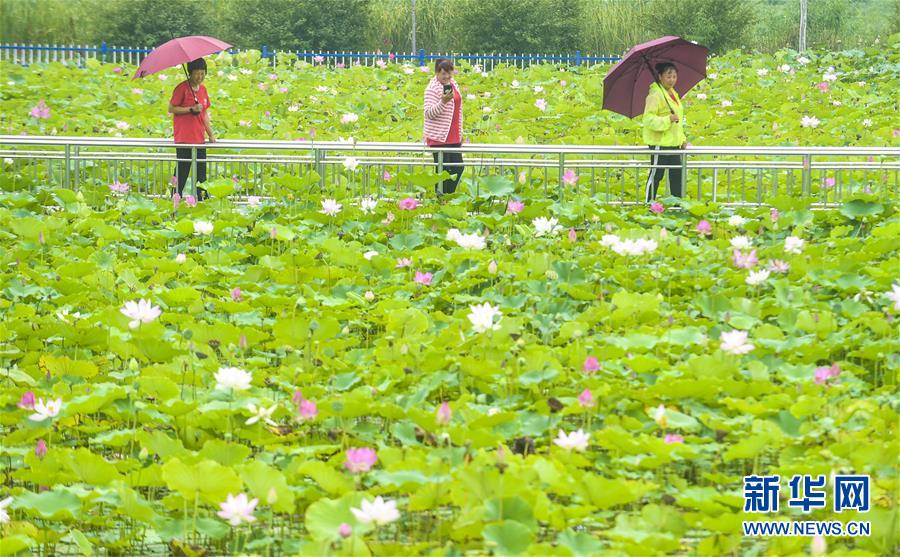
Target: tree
[(525, 26), (297, 24), (152, 22), (717, 25)]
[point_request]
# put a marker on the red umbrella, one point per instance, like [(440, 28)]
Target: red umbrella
[(625, 86), (179, 51)]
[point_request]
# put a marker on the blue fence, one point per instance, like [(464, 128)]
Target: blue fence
[(78, 54)]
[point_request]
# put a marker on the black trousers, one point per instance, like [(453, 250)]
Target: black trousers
[(656, 174), (183, 170), (453, 165)]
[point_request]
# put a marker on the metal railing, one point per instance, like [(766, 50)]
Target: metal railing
[(27, 54), (611, 174)]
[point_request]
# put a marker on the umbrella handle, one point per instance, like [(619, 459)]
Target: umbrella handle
[(188, 76)]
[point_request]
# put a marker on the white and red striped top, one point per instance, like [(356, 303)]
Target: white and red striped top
[(439, 116)]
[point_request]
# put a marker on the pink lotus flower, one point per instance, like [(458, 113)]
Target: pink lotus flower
[(318, 59), (674, 438), (825, 374), (896, 133), (774, 215), (392, 56), (119, 187), (657, 207), (573, 235), (778, 266), (444, 414), (190, 200), (117, 69), (238, 509), (263, 86), (388, 219), (360, 460), (176, 200), (591, 364), (514, 207), (307, 410), (312, 133), (586, 399), (242, 342), (744, 261), (339, 65), (26, 402), (236, 293), (703, 227), (297, 398), (344, 530), (570, 178), (408, 204), (40, 111), (282, 89), (823, 87), (386, 176), (40, 449), (403, 262), (829, 182), (423, 278)]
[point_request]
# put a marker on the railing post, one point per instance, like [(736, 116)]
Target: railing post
[(68, 161), (194, 169), (421, 57), (103, 50), (684, 176), (562, 164), (806, 175), (577, 57)]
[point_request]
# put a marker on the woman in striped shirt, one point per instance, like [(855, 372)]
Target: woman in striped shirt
[(443, 121)]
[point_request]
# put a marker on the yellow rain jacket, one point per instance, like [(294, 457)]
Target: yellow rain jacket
[(658, 129)]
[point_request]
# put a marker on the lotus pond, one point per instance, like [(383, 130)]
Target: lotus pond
[(512, 374)]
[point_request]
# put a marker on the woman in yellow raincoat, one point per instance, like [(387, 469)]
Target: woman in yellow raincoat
[(663, 131)]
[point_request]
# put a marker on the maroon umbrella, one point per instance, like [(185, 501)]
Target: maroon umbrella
[(179, 51), (625, 86)]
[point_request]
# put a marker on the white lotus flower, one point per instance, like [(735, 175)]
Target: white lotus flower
[(541, 104), (659, 416), (350, 163), (784, 68), (546, 227), (577, 440), (793, 244), (203, 227), (180, 258), (737, 221), (368, 205), (330, 207), (609, 240), (809, 121), (755, 278), (735, 342), (741, 242), (232, 378), (482, 317), (122, 125), (45, 410), (726, 102), (762, 72), (141, 311), (894, 296), (486, 109), (803, 60), (238, 509), (4, 516), (64, 315), (293, 108), (867, 123), (261, 414), (829, 76), (370, 254), (701, 96), (348, 118), (468, 241), (538, 89), (378, 511)]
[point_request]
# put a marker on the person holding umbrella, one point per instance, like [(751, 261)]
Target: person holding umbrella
[(663, 122), (190, 118), (649, 81)]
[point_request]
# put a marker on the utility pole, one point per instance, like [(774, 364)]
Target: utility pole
[(802, 45), (413, 26)]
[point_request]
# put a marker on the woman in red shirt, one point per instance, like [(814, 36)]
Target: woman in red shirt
[(443, 121), (189, 106)]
